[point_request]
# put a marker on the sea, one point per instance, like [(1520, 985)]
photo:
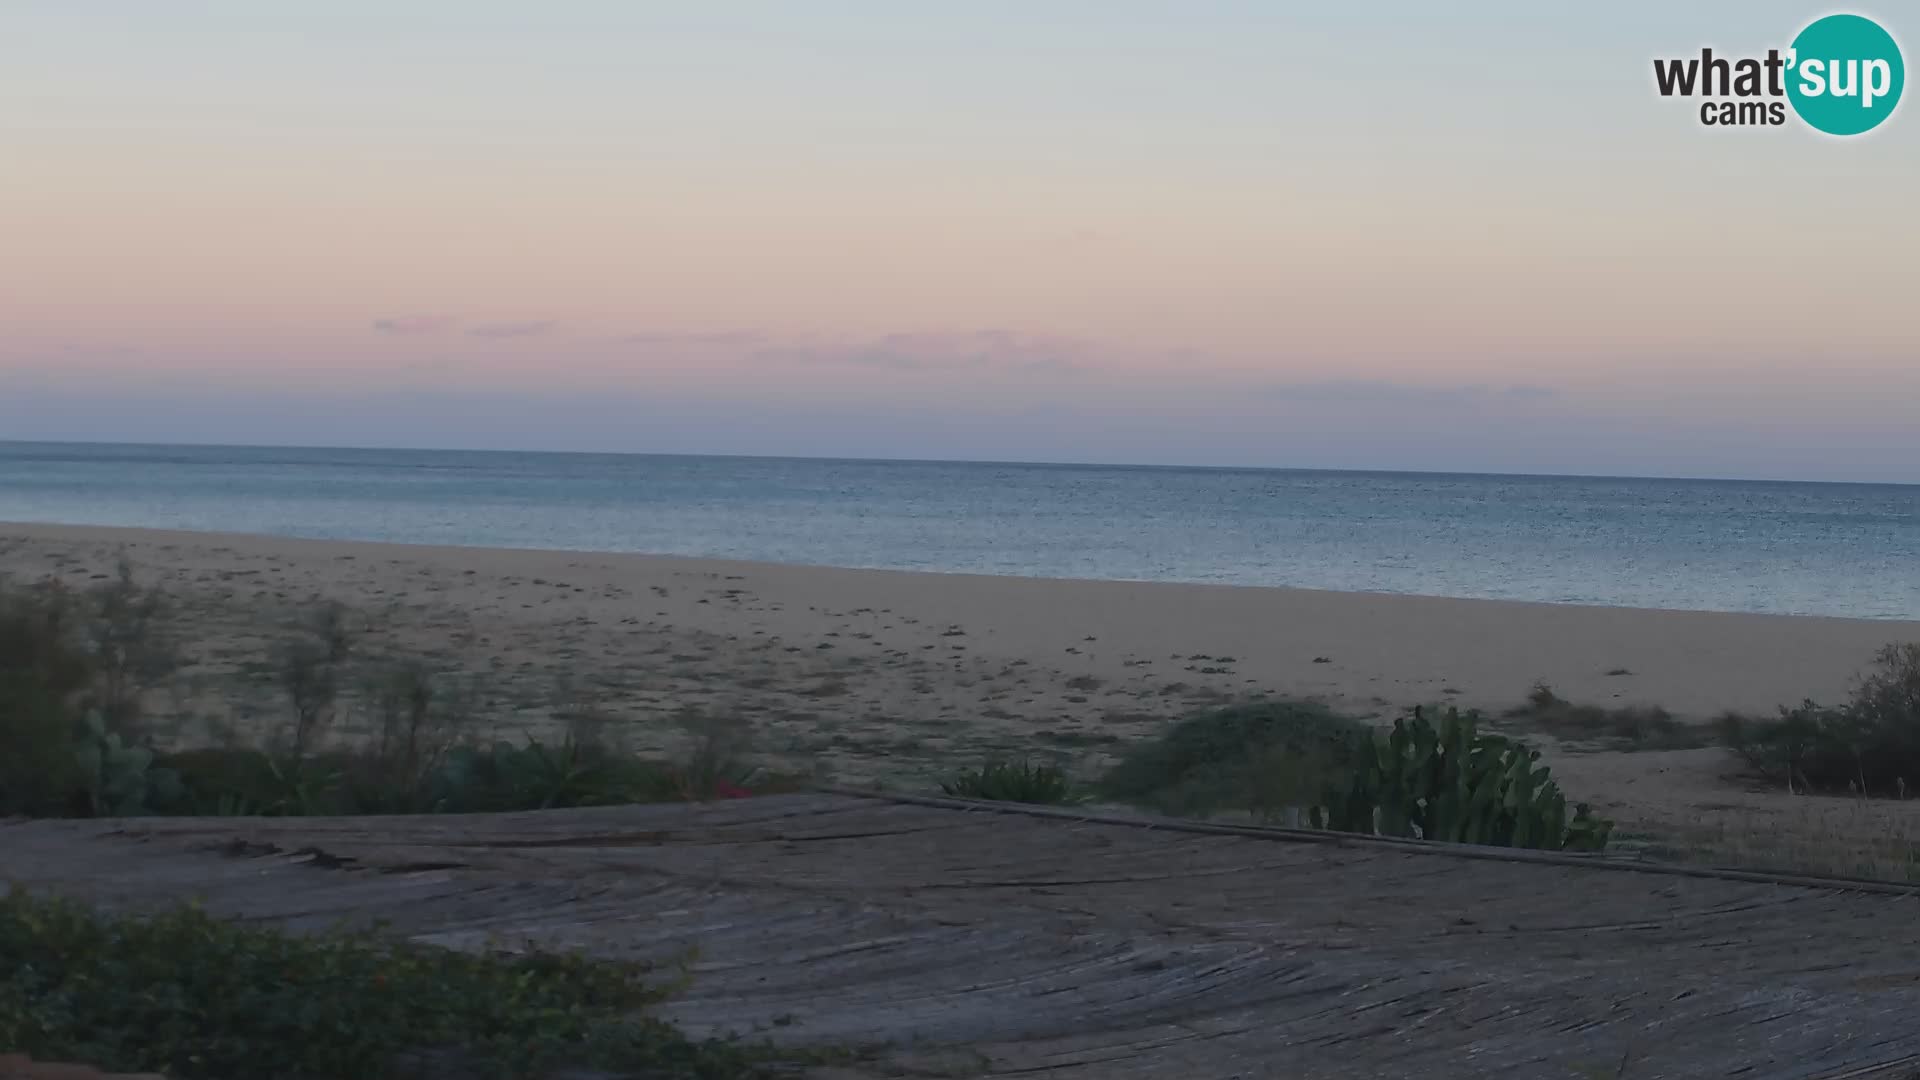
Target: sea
[(1718, 545)]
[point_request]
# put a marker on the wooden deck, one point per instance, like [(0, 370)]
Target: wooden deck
[(978, 942)]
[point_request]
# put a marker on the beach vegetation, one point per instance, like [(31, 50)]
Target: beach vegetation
[(719, 763), (120, 779), (1867, 746), (468, 777), (1285, 761), (76, 664), (312, 670), (1630, 727), (43, 670), (196, 997), (1012, 781), (417, 719), (1450, 781), (1262, 758), (124, 626)]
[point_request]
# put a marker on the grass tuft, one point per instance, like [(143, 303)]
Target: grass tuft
[(1021, 782)]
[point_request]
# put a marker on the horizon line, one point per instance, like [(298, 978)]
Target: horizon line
[(830, 459)]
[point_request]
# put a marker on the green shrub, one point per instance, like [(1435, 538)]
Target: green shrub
[(130, 651), (71, 670), (718, 764), (74, 667), (1868, 746), (536, 776), (469, 778), (41, 649), (44, 670), (311, 667), (417, 722), (1021, 782), (1262, 757), (229, 781), (1453, 783), (223, 781), (195, 997), (1632, 727)]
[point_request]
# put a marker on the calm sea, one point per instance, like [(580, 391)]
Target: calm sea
[(1832, 549)]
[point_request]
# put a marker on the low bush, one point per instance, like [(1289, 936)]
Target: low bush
[(198, 998), (130, 652), (1869, 746), (1021, 782), (536, 776), (1632, 727), (75, 665), (718, 764), (468, 778), (67, 664), (1262, 758)]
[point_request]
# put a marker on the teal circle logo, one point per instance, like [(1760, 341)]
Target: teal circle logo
[(1845, 74)]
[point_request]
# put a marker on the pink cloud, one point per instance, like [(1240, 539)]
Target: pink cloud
[(708, 337), (1374, 391), (513, 329), (412, 324), (996, 350)]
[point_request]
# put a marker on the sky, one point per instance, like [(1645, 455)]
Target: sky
[(1359, 235)]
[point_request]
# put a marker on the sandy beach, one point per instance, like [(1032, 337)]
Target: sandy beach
[(879, 676)]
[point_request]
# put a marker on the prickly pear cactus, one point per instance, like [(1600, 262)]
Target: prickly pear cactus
[(121, 779), (1455, 784)]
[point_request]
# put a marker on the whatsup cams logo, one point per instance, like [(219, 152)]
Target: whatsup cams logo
[(1842, 75)]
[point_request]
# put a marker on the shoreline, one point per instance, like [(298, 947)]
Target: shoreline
[(140, 533)]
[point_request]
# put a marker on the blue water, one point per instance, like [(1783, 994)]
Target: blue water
[(1798, 548)]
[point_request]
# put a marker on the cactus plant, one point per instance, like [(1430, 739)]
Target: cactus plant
[(120, 779), (1455, 784)]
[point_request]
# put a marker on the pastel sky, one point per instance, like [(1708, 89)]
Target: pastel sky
[(1375, 235)]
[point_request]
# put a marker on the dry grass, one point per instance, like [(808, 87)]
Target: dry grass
[(1630, 727), (1840, 837)]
